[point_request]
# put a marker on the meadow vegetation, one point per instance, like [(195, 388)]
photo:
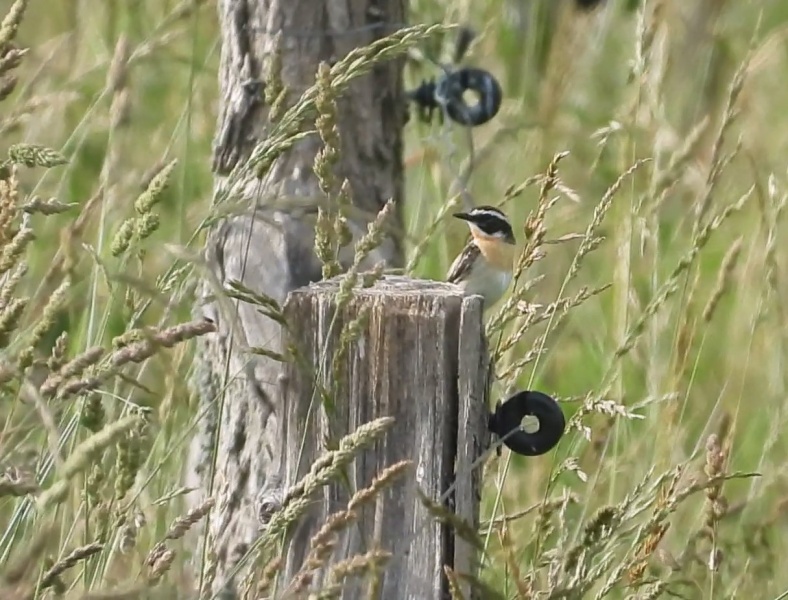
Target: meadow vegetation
[(640, 153)]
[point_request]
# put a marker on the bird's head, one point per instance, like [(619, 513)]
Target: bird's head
[(488, 224)]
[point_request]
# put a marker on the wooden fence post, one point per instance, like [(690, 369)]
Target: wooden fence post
[(420, 357)]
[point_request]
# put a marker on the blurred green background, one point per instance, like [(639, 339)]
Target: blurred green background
[(611, 85)]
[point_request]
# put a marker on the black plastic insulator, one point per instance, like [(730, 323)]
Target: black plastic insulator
[(506, 423), (588, 4), (450, 89), (447, 94)]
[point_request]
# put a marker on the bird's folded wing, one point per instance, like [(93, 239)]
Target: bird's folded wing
[(462, 264)]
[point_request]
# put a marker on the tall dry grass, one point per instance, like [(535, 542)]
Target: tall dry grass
[(640, 154)]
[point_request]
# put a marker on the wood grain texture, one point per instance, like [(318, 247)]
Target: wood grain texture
[(236, 457), (473, 438), (421, 358)]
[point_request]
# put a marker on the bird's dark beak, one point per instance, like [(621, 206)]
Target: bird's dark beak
[(462, 215), (509, 239)]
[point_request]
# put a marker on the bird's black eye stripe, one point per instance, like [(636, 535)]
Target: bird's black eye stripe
[(492, 225)]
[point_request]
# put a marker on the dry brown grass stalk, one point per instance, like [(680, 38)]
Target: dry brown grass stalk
[(323, 542), (716, 502), (454, 584), (83, 456), (51, 577)]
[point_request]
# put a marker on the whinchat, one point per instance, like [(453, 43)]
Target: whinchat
[(485, 264)]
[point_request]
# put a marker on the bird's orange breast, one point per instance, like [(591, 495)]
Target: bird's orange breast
[(498, 254)]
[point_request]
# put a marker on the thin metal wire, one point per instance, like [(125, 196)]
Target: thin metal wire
[(453, 164), (460, 178)]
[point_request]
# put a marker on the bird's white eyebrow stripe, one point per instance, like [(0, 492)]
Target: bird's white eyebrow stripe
[(487, 213)]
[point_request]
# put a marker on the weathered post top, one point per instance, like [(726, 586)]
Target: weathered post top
[(413, 350)]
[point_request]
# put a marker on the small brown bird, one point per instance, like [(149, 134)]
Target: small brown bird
[(485, 265)]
